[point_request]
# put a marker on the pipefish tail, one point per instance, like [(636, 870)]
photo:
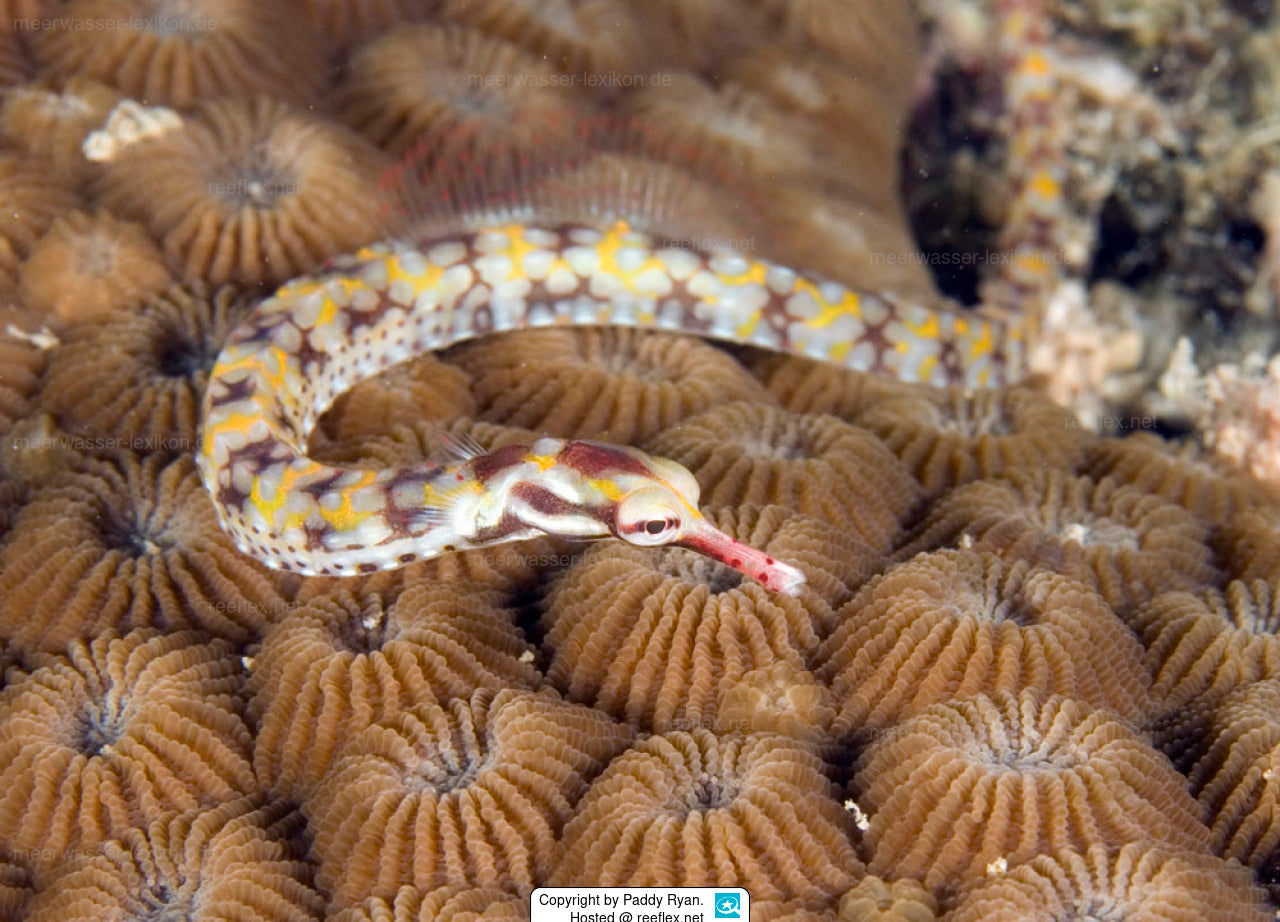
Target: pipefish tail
[(318, 336)]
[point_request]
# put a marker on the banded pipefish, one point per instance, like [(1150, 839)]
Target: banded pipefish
[(318, 336)]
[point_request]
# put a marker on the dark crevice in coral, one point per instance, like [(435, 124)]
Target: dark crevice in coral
[(1268, 876), (254, 182), (98, 731), (941, 199), (131, 537), (527, 606), (1257, 12), (179, 358), (164, 904), (709, 792), (1217, 266), (370, 633), (442, 772), (1124, 252)]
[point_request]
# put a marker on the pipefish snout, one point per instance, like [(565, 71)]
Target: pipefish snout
[(318, 336)]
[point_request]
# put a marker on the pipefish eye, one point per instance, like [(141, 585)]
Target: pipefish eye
[(648, 517)]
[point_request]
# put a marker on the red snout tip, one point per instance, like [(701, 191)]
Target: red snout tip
[(764, 569)]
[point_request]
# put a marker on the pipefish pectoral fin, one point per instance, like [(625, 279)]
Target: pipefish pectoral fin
[(440, 503)]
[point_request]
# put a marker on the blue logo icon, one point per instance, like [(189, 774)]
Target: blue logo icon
[(728, 906)]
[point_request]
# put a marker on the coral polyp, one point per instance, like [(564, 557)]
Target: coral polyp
[(85, 266), (949, 624), (472, 793), (117, 733), (1126, 544), (252, 191), (134, 375), (236, 860), (1134, 882), (1008, 777), (670, 640), (434, 92), (183, 51), (755, 454), (690, 809), (346, 661), (620, 385)]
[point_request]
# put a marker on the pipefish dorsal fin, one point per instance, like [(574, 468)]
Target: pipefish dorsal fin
[(461, 446)]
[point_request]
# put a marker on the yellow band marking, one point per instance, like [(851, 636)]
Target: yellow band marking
[(345, 518), (755, 274), (607, 488), (542, 462), (828, 311)]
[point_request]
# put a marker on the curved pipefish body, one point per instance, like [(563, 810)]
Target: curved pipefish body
[(319, 336)]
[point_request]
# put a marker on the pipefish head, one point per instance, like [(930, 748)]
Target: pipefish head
[(649, 501)]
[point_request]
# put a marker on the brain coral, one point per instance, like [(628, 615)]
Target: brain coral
[(421, 391), (405, 712), (115, 734), (413, 91), (1204, 644), (1250, 543), (32, 196), (15, 62), (85, 266), (662, 636), (874, 899), (1149, 463), (690, 809), (250, 191), (23, 363), (949, 437), (120, 542), (729, 122), (818, 388), (950, 624), (748, 453), (474, 793), (182, 51), (1132, 882), (1011, 776), (136, 375), (50, 118), (443, 904), (573, 35), (345, 661), (346, 21), (1126, 544), (1231, 752), (781, 698), (233, 861), (616, 384), (15, 887)]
